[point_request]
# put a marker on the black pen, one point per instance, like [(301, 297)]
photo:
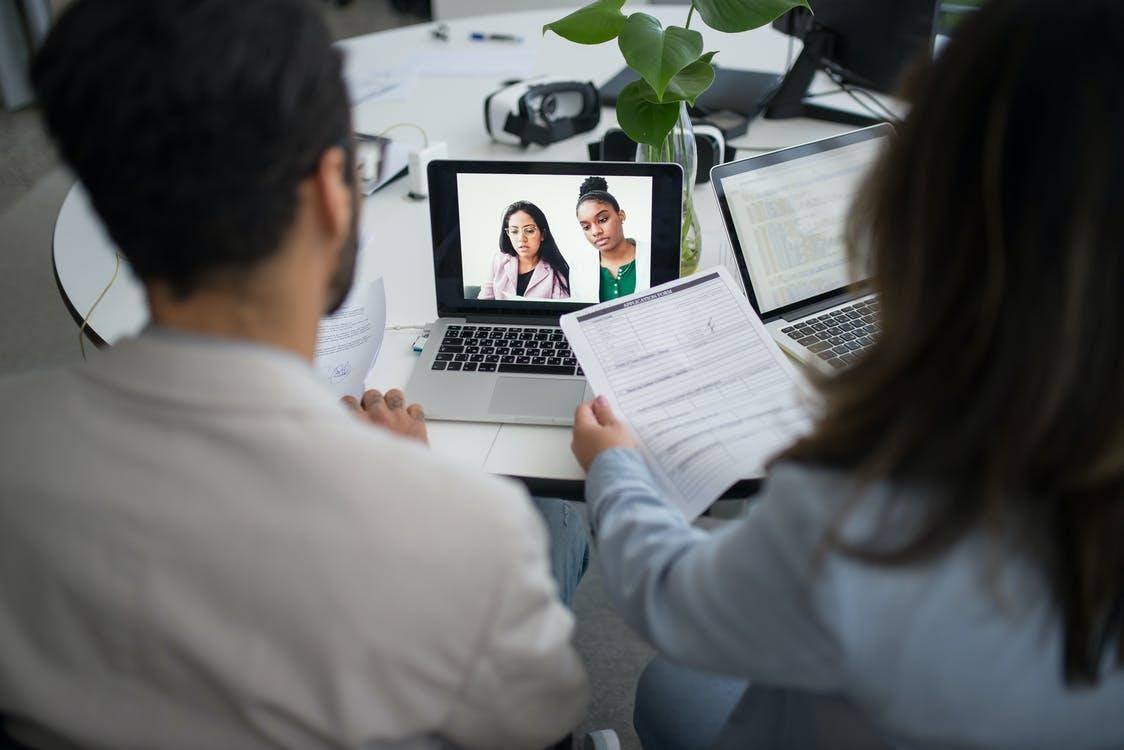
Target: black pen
[(480, 36)]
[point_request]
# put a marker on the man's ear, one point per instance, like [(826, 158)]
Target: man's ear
[(333, 188)]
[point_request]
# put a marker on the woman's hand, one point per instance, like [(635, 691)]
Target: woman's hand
[(390, 411), (597, 429)]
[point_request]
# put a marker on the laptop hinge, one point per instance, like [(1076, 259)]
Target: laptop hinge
[(812, 309), (525, 320)]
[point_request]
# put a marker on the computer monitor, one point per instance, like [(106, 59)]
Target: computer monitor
[(863, 43)]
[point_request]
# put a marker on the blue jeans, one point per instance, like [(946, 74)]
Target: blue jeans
[(681, 709), (569, 545)]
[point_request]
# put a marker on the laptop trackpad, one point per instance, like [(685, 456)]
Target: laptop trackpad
[(536, 397)]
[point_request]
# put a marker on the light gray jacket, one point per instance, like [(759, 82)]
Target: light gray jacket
[(200, 548), (958, 653)]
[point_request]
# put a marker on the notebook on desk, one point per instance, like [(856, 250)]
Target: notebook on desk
[(496, 353)]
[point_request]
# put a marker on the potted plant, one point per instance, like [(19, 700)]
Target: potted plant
[(674, 70)]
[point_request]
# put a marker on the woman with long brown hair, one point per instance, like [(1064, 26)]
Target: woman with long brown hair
[(940, 563)]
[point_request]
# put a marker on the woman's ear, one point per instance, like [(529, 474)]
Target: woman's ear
[(622, 215)]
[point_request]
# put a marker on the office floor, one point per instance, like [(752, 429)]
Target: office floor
[(36, 331)]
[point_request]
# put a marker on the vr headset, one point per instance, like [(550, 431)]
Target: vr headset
[(710, 144), (541, 111)]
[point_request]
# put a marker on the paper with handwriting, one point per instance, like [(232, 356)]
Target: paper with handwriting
[(348, 341)]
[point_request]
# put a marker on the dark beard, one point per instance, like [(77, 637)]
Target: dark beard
[(344, 276)]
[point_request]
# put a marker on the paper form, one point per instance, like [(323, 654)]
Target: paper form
[(348, 341), (700, 382)]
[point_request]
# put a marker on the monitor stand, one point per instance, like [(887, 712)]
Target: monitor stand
[(789, 100)]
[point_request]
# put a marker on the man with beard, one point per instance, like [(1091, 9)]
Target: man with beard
[(199, 545)]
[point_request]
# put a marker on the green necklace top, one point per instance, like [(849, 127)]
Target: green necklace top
[(624, 283)]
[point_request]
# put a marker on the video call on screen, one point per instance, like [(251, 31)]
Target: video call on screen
[(528, 239)]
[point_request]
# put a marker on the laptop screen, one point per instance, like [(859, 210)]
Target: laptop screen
[(515, 225), (544, 238), (787, 212)]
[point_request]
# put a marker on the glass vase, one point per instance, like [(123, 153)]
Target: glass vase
[(679, 148)]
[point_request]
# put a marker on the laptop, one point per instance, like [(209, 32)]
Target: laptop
[(785, 214), (496, 353)]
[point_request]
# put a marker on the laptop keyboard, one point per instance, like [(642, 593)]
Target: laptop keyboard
[(839, 336), (512, 349)]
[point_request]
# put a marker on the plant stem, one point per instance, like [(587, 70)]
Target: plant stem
[(690, 13)]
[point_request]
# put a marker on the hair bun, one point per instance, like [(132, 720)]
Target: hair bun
[(590, 184)]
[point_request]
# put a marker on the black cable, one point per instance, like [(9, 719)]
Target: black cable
[(879, 111)]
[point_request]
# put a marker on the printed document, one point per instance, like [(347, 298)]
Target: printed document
[(689, 367), (348, 341)]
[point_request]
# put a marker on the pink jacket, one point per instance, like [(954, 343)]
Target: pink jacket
[(544, 284)]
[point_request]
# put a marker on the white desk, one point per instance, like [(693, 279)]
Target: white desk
[(450, 109)]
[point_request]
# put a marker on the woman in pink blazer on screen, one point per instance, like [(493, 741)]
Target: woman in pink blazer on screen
[(529, 264)]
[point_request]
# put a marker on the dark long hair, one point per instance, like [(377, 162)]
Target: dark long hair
[(548, 249), (993, 229)]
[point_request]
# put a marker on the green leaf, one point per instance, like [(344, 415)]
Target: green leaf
[(742, 15), (597, 22), (691, 81), (655, 53), (643, 120)]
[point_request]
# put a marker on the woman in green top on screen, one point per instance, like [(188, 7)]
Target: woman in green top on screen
[(602, 220)]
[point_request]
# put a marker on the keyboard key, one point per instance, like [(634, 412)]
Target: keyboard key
[(841, 349), (866, 340), (443, 357), (837, 363), (554, 361), (848, 358), (522, 360), (538, 360), (819, 326), (507, 359), (570, 362), (790, 329), (487, 367), (853, 315), (848, 336), (579, 371), (852, 345), (460, 357), (455, 365), (537, 369), (807, 340), (820, 346), (440, 365), (469, 367), (450, 349), (475, 357)]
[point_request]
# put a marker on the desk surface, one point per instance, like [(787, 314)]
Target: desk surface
[(450, 109)]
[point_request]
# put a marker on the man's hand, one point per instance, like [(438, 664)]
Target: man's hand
[(596, 429), (390, 411)]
